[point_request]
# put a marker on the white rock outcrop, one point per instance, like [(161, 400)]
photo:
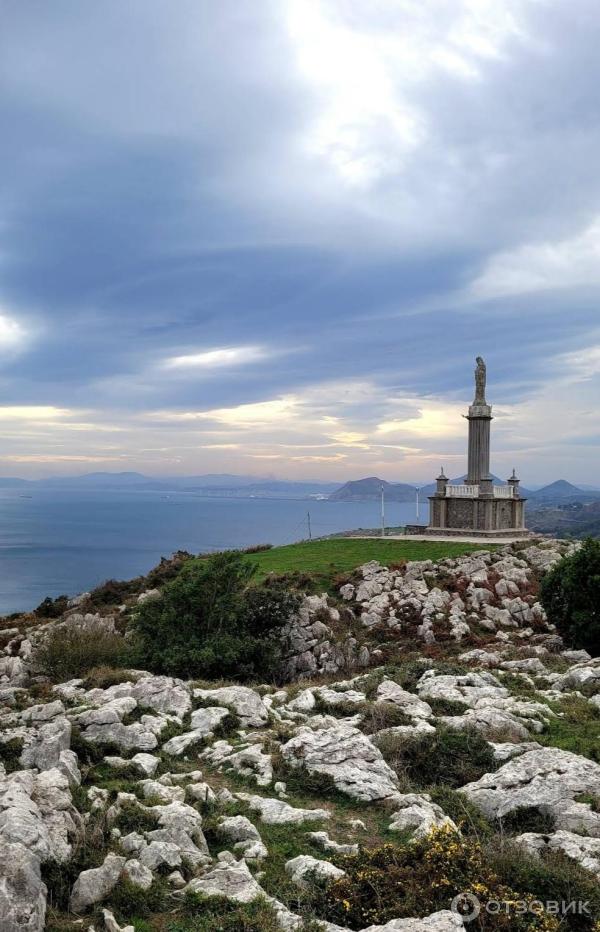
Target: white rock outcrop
[(348, 757)]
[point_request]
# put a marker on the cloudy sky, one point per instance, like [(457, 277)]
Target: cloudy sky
[(270, 236)]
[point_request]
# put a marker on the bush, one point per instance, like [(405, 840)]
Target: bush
[(103, 677), (465, 814), (52, 608), (570, 594), (10, 754), (447, 757), (420, 878), (529, 819), (218, 914), (68, 651), (554, 877), (575, 729), (115, 591), (209, 622)]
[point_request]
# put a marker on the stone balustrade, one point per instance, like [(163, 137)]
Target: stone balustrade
[(503, 491), (462, 491), (472, 491)]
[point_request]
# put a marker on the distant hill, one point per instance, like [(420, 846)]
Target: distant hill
[(563, 491), (369, 490), (211, 485), (567, 519)]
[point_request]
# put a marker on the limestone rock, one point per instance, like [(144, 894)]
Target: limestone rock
[(278, 812), (467, 688), (153, 789), (137, 874), (443, 921), (244, 835), (22, 893), (160, 853), (111, 924), (248, 760), (418, 813), (246, 703), (95, 884), (233, 881), (343, 753), (181, 825), (134, 737), (323, 840), (163, 694), (411, 705), (548, 777), (586, 851), (489, 721), (305, 869)]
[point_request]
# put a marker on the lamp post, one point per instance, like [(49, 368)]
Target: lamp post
[(382, 511), (417, 490)]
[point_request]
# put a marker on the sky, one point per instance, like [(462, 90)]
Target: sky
[(269, 237)]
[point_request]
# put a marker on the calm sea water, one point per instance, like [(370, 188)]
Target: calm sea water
[(69, 541)]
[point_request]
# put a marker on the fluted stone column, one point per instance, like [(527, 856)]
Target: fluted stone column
[(479, 418)]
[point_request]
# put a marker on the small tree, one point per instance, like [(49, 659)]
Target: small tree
[(570, 594), (211, 622)]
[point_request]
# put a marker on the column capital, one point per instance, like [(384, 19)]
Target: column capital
[(479, 411)]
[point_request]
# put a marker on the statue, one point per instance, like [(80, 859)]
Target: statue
[(480, 376)]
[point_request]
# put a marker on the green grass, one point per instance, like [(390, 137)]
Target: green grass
[(325, 558), (577, 731)]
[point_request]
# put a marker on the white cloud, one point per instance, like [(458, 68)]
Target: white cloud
[(364, 63), (550, 265), (218, 358), (12, 333), (32, 413)]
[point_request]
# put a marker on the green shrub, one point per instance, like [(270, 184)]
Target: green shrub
[(68, 651), (10, 754), (443, 706), (570, 594), (379, 715), (209, 622), (420, 878), (576, 729), (88, 752), (114, 591), (89, 850), (135, 817), (52, 608), (553, 877), (465, 814), (218, 914), (529, 819), (103, 677), (128, 900), (447, 757)]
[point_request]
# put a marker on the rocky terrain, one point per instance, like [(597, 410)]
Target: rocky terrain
[(429, 705)]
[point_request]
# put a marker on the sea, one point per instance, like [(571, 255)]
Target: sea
[(55, 542)]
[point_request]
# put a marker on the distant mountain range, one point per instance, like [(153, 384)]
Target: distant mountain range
[(369, 489), (211, 485), (229, 485)]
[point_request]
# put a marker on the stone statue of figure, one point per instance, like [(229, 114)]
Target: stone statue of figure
[(480, 376)]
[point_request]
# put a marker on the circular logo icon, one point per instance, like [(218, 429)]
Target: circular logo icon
[(466, 905)]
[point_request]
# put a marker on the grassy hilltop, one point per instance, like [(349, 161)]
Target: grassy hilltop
[(323, 559)]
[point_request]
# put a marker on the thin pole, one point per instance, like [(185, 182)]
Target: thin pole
[(382, 511), (309, 529), (417, 491)]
